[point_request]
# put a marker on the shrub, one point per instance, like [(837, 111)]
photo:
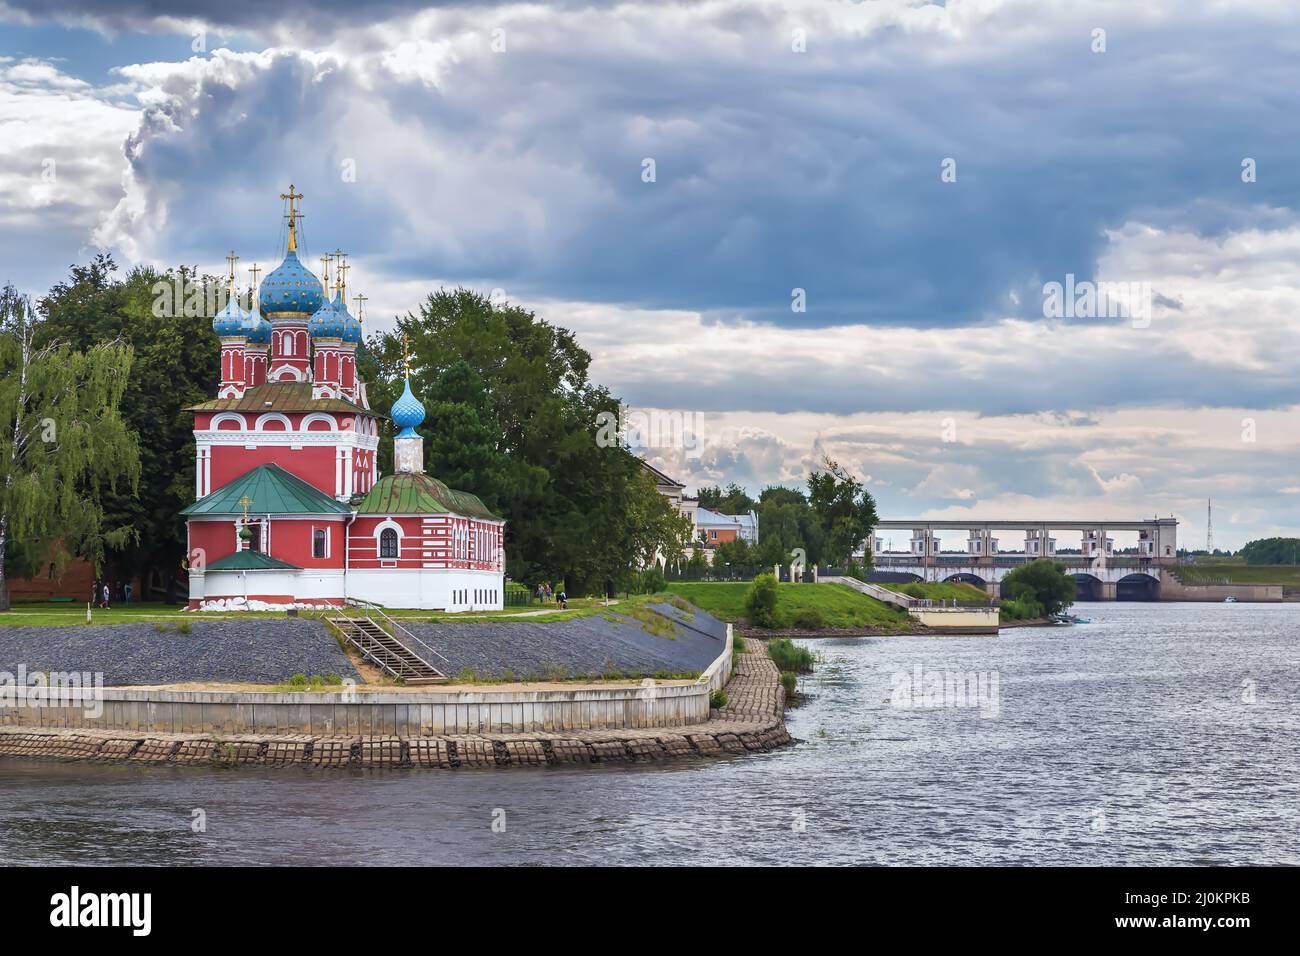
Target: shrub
[(184, 627), (760, 601), (789, 656), (789, 679), (652, 581), (1022, 608), (718, 699), (914, 590), (809, 619)]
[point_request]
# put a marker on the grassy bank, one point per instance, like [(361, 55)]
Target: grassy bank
[(834, 605), (47, 614), (1287, 575), (941, 591)]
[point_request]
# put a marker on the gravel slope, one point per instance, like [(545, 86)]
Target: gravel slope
[(264, 652), (586, 645)]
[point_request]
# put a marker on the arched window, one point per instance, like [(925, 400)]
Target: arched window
[(388, 543), (318, 543)]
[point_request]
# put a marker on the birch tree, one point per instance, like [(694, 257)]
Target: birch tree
[(62, 441)]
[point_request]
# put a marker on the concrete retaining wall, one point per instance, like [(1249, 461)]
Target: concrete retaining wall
[(1171, 589), (958, 620), (615, 707)]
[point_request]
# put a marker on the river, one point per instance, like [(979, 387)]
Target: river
[(1158, 734)]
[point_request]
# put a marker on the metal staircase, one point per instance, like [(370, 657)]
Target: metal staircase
[(390, 647)]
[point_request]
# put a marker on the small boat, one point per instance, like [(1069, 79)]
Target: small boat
[(1230, 600), (1070, 619)]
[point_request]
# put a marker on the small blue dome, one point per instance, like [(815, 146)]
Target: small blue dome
[(326, 323), (258, 329), (230, 320), (351, 328), (291, 287), (407, 412)]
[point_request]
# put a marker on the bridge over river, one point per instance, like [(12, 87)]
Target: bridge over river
[(1102, 575)]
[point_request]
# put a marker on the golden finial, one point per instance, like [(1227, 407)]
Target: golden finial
[(325, 272), (245, 501), (293, 217), (232, 259), (406, 354), (342, 270), (360, 300), (256, 271)]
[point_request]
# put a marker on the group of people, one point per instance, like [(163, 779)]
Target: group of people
[(102, 593), (544, 594)]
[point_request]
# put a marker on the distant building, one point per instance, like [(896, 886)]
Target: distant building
[(717, 528)]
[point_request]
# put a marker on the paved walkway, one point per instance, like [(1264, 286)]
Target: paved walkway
[(753, 720)]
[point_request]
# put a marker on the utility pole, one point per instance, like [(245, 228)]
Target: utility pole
[(1209, 526)]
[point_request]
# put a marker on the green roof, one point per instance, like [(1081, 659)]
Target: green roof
[(412, 494), (279, 397), (250, 561), (271, 490)]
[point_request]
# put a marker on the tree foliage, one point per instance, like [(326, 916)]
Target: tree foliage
[(176, 365), (513, 417), (845, 510), (64, 447), (1041, 586), (760, 601), (1271, 551), (733, 501)]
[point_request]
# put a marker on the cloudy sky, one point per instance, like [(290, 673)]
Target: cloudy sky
[(806, 227)]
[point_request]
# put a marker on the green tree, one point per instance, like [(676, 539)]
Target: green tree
[(63, 444), (514, 418), (176, 365), (845, 510), (1043, 583), (733, 501), (760, 601), (1271, 551)]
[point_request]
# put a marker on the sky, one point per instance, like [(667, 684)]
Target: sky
[(794, 230)]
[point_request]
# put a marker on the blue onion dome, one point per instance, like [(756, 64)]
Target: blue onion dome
[(407, 412), (351, 329), (326, 323), (258, 329), (291, 287), (230, 320)]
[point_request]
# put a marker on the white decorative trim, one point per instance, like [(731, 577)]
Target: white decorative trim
[(325, 417), (227, 417), (260, 425), (346, 437)]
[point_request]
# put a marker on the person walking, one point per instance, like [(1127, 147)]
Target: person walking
[(562, 599), (94, 593), (126, 593), (107, 597)]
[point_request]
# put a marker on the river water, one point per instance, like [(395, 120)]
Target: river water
[(1159, 733)]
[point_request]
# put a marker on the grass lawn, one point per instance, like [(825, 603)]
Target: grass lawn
[(840, 606), (942, 591), (1285, 574), (46, 614)]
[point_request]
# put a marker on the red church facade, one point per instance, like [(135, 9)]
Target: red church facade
[(290, 508)]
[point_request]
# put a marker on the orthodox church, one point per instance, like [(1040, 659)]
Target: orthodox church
[(291, 510)]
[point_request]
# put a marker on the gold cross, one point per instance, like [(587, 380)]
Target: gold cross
[(360, 301), (232, 259), (342, 271), (294, 216), (245, 501), (325, 272), (406, 354), (255, 270)]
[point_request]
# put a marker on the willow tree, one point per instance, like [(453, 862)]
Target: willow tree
[(62, 441)]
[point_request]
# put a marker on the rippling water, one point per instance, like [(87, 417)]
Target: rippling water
[(1160, 733)]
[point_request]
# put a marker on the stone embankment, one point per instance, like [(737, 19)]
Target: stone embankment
[(753, 720)]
